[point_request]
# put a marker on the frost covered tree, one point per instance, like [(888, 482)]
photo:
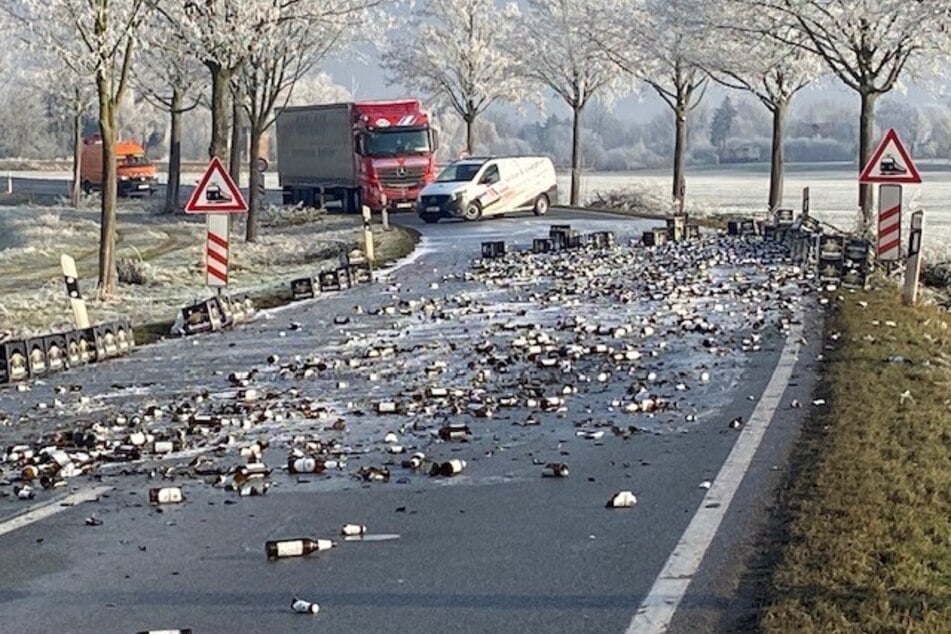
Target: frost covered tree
[(737, 54), (868, 44), (221, 34), (301, 35), (318, 87), (654, 40), (170, 78), (555, 52), (95, 39), (457, 56)]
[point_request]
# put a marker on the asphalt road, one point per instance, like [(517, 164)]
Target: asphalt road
[(497, 549)]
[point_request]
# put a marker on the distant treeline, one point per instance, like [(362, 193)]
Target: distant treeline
[(735, 130)]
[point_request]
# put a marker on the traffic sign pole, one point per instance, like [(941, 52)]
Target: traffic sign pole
[(889, 223), (217, 250)]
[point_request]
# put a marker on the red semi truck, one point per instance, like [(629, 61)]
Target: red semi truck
[(374, 153)]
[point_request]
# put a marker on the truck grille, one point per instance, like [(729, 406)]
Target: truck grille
[(401, 177)]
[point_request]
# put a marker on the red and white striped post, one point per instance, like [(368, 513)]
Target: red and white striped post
[(216, 250), (889, 223)]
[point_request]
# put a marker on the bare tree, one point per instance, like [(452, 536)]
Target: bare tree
[(556, 53), (222, 34), (458, 57), (655, 40), (867, 44), (170, 77), (302, 34), (745, 59), (93, 38)]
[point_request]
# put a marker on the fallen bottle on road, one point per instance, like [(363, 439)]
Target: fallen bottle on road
[(300, 547)]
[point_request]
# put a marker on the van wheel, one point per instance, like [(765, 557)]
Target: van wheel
[(429, 218), (541, 205), (87, 187), (473, 211)]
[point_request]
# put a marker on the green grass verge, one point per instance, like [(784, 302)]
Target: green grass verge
[(397, 243), (868, 507)]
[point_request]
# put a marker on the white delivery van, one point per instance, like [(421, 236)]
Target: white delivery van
[(475, 187)]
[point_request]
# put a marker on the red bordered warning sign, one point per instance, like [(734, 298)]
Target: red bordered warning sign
[(216, 193), (890, 163)]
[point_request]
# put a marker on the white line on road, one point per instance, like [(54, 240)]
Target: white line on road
[(51, 508), (657, 610)]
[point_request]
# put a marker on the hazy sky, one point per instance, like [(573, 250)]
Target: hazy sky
[(367, 81)]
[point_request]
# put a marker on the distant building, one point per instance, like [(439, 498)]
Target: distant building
[(746, 153)]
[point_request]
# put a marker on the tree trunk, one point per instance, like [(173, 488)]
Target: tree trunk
[(75, 189), (107, 240), (470, 134), (234, 162), (255, 180), (866, 130), (576, 156), (174, 184), (220, 127), (680, 150), (777, 154)]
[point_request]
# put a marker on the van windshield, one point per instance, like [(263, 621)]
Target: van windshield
[(130, 159), (458, 172)]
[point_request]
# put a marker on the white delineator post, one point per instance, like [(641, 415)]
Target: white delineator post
[(889, 223), (78, 304), (368, 236), (216, 250), (913, 264)]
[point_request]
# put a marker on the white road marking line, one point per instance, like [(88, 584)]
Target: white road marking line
[(658, 607), (51, 508)]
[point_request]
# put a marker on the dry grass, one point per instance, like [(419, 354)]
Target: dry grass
[(869, 532)]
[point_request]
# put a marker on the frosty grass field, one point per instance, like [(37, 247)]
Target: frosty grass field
[(833, 193)]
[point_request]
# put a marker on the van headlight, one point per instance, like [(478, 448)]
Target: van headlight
[(457, 197)]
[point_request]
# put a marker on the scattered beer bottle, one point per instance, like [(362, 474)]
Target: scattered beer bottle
[(555, 470), (449, 468), (166, 495), (301, 547), (306, 464), (304, 607)]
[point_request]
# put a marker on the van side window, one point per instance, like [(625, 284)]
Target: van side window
[(491, 175)]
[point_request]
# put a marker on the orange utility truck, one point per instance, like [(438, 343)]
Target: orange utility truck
[(137, 175)]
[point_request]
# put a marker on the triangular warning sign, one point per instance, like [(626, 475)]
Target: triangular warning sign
[(216, 193), (890, 163)]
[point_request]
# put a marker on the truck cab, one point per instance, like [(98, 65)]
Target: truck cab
[(136, 174)]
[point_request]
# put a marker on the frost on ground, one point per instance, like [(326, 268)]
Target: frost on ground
[(163, 255)]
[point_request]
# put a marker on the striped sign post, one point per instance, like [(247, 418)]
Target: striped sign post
[(216, 250), (889, 223)]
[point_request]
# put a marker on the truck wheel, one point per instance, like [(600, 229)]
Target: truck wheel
[(87, 187), (541, 205), (352, 201), (429, 218), (473, 211)]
